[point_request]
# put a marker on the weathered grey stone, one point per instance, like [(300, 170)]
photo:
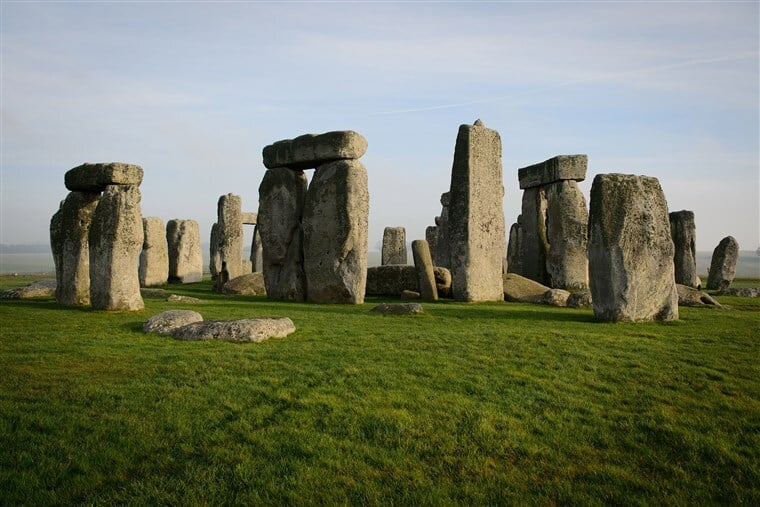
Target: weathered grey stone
[(745, 292), (683, 232), (723, 264), (688, 296), (310, 151), (580, 299), (410, 294), (96, 177), (391, 280), (38, 289), (152, 293), (431, 236), (555, 297), (567, 236), (442, 281), (514, 246), (249, 217), (534, 244), (174, 298), (335, 233), (394, 246), (257, 252), (230, 220), (69, 241), (630, 250), (281, 199), (398, 309), (442, 251), (116, 238), (215, 255), (154, 258), (559, 168), (241, 331), (251, 284), (183, 238), (165, 323), (424, 266), (522, 290), (476, 217)]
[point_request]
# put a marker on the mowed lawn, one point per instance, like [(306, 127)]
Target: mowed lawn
[(496, 403)]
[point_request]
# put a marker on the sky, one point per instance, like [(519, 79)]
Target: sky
[(192, 92)]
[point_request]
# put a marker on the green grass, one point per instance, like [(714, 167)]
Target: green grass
[(497, 403)]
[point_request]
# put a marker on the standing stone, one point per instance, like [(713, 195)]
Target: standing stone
[(116, 238), (394, 246), (335, 223), (69, 240), (476, 217), (683, 232), (281, 200), (630, 250), (431, 236), (567, 236), (723, 264), (514, 246), (230, 220), (185, 260), (257, 252), (534, 241), (215, 256), (154, 258), (442, 251), (423, 263)]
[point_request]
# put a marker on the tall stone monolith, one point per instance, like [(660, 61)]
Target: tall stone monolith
[(335, 223), (215, 256), (723, 264), (154, 258), (683, 231), (431, 236), (257, 251), (69, 240), (630, 250), (442, 251), (281, 199), (116, 238), (514, 247), (475, 217), (423, 263), (230, 220), (567, 236), (183, 239), (394, 246)]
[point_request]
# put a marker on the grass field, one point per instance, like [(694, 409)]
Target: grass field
[(497, 403)]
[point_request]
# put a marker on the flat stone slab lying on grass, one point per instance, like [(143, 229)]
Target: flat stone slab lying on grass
[(153, 293), (167, 322), (174, 298), (38, 289), (243, 330), (745, 292), (251, 284), (688, 296), (398, 309)]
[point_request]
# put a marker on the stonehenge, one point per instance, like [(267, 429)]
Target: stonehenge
[(683, 232), (442, 256), (394, 246), (226, 238), (183, 240), (314, 237), (96, 237), (154, 258), (423, 263), (723, 264), (476, 233), (550, 237), (630, 250), (514, 245)]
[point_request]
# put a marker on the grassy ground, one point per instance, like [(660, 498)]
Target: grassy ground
[(497, 403)]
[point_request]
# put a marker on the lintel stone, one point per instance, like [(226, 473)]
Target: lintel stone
[(96, 177), (561, 167), (309, 151)]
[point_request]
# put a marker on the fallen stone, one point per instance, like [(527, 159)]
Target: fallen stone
[(152, 293), (688, 296), (251, 284), (555, 297), (393, 279), (96, 177), (38, 289), (562, 167), (241, 331), (745, 292), (174, 298), (580, 299), (723, 264), (398, 309), (522, 290), (442, 281), (167, 322), (310, 151), (410, 294)]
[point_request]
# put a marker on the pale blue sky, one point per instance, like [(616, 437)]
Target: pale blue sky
[(192, 91)]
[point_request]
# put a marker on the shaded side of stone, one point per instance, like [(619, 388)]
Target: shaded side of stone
[(257, 251), (442, 251), (559, 168), (183, 239), (215, 255), (534, 244), (723, 264), (514, 247), (566, 235), (683, 231), (431, 236)]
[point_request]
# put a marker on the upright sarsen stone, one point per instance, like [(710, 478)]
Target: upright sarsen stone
[(535, 243), (683, 232), (476, 216), (630, 250), (281, 200), (723, 264), (394, 246), (116, 238), (183, 239), (442, 252), (514, 247), (335, 223), (69, 241), (566, 235), (154, 258), (215, 256), (257, 251), (230, 220), (423, 264)]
